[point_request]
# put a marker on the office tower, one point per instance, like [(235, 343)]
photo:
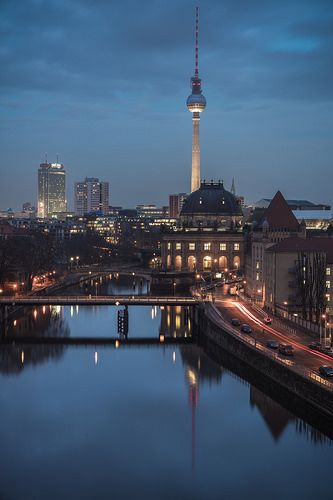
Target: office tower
[(196, 103), (175, 204), (91, 196), (51, 189)]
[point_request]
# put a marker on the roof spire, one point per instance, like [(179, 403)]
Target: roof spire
[(196, 72), (233, 188)]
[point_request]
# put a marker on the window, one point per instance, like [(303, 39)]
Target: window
[(207, 246), (328, 271), (236, 246), (178, 246), (257, 276), (169, 245), (191, 246), (257, 264), (223, 247), (328, 284)]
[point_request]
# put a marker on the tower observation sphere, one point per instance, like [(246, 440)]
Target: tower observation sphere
[(196, 103)]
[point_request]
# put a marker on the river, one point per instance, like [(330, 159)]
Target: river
[(143, 422)]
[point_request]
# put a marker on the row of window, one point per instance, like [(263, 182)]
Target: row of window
[(206, 246)]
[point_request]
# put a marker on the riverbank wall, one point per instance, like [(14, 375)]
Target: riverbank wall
[(303, 383)]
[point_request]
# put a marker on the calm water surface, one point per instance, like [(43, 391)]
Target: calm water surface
[(144, 422)]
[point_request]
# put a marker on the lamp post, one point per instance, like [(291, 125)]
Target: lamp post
[(71, 262), (77, 261), (174, 288), (96, 287)]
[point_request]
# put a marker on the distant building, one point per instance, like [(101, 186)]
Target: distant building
[(91, 196), (241, 201), (175, 204), (294, 204), (28, 208), (315, 219), (152, 211), (51, 189)]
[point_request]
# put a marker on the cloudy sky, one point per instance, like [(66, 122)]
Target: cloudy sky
[(103, 83)]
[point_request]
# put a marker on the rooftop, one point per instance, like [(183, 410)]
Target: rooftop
[(295, 244)]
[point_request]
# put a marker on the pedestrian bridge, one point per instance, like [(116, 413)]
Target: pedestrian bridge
[(100, 300)]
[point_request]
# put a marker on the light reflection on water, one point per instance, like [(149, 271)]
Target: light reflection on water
[(148, 422)]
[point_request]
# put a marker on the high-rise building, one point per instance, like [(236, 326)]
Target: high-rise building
[(196, 103), (51, 189), (175, 204), (91, 195)]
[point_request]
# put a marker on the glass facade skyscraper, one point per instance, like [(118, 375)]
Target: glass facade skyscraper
[(51, 189)]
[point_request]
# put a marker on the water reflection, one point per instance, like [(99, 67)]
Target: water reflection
[(176, 321), (199, 371), (111, 284), (39, 322)]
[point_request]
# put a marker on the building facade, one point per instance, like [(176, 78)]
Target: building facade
[(269, 226), (176, 204), (91, 196), (51, 189), (209, 234)]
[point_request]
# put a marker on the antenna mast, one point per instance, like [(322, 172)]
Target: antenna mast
[(196, 72)]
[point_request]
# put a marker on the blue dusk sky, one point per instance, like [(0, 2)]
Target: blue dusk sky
[(103, 83)]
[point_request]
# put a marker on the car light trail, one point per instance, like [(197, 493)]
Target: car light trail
[(280, 335)]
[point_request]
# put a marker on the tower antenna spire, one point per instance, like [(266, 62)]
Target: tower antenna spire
[(196, 72), (196, 103)]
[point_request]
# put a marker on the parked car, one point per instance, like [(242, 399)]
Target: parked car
[(246, 328), (272, 344), (268, 320), (286, 349), (326, 371), (235, 322), (316, 346)]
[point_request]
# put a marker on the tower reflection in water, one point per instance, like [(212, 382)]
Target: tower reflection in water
[(176, 322), (200, 369)]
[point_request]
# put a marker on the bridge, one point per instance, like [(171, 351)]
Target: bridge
[(95, 341), (99, 300)]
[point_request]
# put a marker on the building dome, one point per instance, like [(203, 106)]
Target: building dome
[(211, 199)]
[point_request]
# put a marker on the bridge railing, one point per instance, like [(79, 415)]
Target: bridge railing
[(107, 299)]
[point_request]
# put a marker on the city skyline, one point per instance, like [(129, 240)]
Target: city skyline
[(112, 104)]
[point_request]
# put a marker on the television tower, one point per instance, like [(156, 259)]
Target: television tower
[(196, 103)]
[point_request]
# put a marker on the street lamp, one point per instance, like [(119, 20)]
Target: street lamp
[(77, 261), (71, 261), (96, 287), (174, 288)]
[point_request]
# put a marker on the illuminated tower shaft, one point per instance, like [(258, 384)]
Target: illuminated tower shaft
[(195, 177), (196, 103)]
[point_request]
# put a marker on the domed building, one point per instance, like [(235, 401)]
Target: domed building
[(209, 234)]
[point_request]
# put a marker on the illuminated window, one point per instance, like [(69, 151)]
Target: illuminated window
[(191, 246), (178, 246), (328, 284), (257, 264), (169, 246), (207, 246), (236, 246), (257, 276), (223, 247), (328, 271)]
